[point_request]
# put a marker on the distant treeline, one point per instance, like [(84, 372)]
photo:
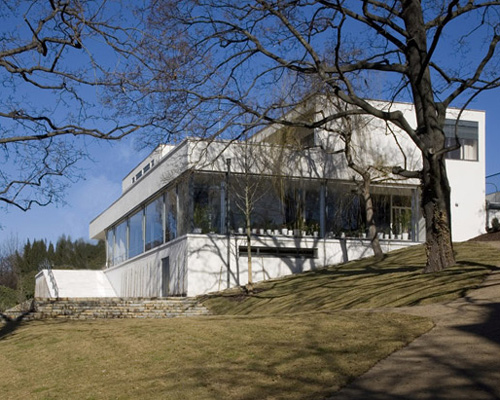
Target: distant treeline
[(18, 266)]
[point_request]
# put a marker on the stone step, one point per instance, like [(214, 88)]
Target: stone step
[(94, 308)]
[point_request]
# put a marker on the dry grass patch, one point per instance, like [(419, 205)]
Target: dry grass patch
[(393, 282), (306, 355), (280, 357)]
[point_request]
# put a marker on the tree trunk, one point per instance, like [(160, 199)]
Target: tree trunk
[(430, 118), (370, 219), (436, 207)]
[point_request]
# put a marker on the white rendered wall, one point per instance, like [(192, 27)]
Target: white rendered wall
[(141, 276), (207, 255), (73, 284), (466, 178), (156, 155), (42, 289)]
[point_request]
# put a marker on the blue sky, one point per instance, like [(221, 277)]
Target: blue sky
[(113, 160), (83, 201)]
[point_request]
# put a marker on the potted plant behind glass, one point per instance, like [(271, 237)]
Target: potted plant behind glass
[(405, 224), (201, 219)]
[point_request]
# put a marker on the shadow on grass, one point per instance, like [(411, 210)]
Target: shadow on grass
[(397, 280), (312, 357), (9, 327)]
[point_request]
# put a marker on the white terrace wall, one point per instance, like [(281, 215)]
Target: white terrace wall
[(207, 255), (41, 285), (198, 263), (142, 276)]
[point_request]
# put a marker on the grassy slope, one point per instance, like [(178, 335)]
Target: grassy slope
[(395, 281), (307, 355)]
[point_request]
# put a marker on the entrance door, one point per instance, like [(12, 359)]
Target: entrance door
[(165, 276)]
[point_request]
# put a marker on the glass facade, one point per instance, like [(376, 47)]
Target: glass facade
[(154, 223), (207, 204), (276, 205), (120, 247), (344, 211), (110, 242), (136, 237), (171, 215)]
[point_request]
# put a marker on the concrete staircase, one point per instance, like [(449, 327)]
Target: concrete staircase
[(93, 308)]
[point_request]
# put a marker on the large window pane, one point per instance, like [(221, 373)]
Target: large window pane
[(382, 209), (154, 219), (344, 211), (467, 133), (207, 204), (110, 238), (312, 209), (136, 243), (120, 248), (184, 209), (171, 217), (254, 195)]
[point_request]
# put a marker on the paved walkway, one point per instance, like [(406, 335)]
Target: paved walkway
[(458, 359)]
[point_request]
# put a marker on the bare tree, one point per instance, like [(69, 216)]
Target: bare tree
[(368, 174), (361, 148), (248, 188), (215, 61), (56, 59)]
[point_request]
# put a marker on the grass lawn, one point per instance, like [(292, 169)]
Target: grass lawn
[(393, 282), (290, 341), (305, 356)]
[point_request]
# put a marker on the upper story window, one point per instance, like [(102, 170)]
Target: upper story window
[(468, 137), (143, 171)]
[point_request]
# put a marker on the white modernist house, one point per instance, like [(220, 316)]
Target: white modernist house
[(179, 227)]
